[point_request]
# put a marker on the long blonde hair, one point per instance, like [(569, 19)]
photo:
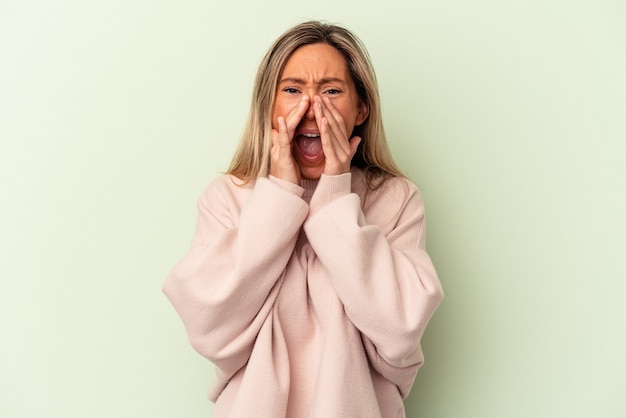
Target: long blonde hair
[(252, 157)]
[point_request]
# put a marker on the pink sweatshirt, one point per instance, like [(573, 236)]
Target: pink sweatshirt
[(310, 301)]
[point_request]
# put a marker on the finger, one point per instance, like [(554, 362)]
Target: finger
[(296, 114), (337, 160), (279, 136), (280, 140), (336, 128), (326, 135), (282, 164), (332, 134), (354, 145), (334, 116), (328, 144), (282, 128)]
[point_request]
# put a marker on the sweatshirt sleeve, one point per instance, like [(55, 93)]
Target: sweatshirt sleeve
[(224, 287), (380, 270)]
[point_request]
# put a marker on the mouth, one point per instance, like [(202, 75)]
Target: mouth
[(310, 145)]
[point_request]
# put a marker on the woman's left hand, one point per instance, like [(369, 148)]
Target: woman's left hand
[(338, 149)]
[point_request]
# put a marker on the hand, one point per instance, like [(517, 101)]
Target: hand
[(282, 163), (338, 149)]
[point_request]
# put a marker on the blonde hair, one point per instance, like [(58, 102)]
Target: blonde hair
[(252, 157)]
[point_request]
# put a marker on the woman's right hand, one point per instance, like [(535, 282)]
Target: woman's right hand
[(282, 164)]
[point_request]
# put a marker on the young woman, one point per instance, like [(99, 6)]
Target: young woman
[(307, 283)]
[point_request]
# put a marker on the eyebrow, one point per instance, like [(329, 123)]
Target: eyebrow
[(326, 80)]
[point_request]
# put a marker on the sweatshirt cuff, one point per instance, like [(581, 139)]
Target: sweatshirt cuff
[(330, 188), (287, 186)]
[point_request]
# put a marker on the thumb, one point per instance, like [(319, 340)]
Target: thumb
[(354, 144)]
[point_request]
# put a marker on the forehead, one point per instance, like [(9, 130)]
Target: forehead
[(316, 60)]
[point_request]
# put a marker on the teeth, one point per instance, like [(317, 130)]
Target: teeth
[(311, 135)]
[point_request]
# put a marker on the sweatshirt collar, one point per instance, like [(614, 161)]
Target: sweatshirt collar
[(309, 187)]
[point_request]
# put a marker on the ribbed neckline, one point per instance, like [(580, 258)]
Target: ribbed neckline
[(309, 187)]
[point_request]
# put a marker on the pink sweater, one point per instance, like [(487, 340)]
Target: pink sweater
[(308, 309)]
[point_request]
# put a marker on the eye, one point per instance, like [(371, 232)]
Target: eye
[(332, 91), (291, 90)]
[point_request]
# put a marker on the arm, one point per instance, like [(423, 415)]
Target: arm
[(225, 286), (379, 268)]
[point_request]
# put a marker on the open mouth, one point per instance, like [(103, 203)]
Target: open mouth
[(310, 145)]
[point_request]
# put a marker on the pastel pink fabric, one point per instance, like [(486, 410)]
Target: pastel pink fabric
[(310, 301)]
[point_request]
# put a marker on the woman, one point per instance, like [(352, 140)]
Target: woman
[(307, 283)]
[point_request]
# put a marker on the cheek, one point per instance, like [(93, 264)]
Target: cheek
[(348, 113), (282, 107), (275, 114), (277, 110)]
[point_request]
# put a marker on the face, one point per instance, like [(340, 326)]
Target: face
[(316, 70)]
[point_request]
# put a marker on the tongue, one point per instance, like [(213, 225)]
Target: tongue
[(311, 147)]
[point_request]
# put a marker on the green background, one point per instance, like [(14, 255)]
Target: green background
[(509, 115)]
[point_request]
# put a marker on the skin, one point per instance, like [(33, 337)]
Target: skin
[(315, 95)]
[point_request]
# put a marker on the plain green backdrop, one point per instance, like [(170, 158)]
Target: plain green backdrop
[(509, 115)]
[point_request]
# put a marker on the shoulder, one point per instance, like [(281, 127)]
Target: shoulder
[(225, 188), (227, 183), (395, 191), (395, 200)]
